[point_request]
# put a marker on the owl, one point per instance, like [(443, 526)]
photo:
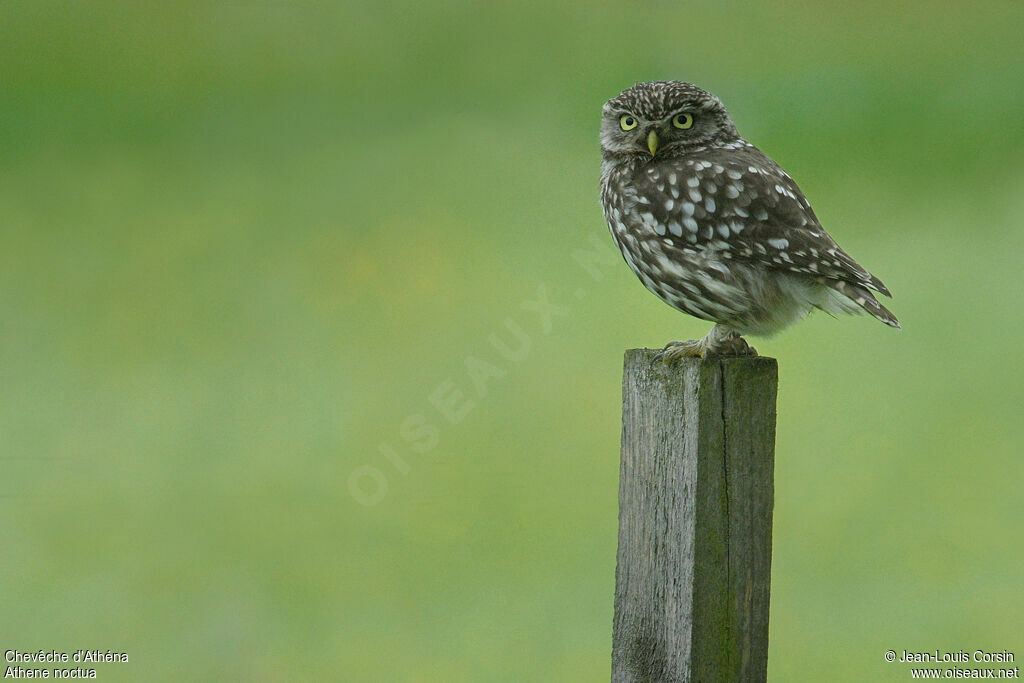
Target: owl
[(714, 227)]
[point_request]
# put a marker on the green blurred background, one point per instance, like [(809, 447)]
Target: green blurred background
[(244, 244)]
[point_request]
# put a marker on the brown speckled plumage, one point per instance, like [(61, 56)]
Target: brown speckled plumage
[(713, 226)]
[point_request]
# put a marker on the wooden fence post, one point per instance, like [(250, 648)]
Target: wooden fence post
[(696, 493)]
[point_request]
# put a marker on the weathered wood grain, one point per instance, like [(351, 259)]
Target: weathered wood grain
[(695, 520)]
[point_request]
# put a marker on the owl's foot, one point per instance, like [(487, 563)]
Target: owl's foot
[(677, 350), (720, 342), (734, 346)]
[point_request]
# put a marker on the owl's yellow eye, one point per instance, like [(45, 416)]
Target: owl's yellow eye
[(627, 122), (682, 121)]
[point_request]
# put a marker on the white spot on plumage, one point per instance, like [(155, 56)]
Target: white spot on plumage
[(709, 204), (723, 230), (669, 205), (669, 266), (688, 208), (671, 178), (695, 195), (778, 242), (675, 229), (693, 181), (731, 192), (651, 223), (690, 224)]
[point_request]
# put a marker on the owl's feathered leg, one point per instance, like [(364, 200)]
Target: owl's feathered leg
[(720, 341)]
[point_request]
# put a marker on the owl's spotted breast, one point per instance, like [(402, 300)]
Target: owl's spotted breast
[(737, 201)]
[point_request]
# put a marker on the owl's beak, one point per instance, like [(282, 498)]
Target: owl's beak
[(652, 142)]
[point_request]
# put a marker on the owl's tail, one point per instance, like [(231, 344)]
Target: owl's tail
[(848, 297)]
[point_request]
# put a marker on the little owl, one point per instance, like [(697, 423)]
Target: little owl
[(713, 226)]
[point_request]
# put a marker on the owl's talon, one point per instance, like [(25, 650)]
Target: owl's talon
[(736, 346), (676, 350), (720, 342)]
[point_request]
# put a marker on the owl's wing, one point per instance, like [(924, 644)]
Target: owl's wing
[(741, 204)]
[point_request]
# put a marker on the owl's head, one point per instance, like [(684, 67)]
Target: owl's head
[(663, 118)]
